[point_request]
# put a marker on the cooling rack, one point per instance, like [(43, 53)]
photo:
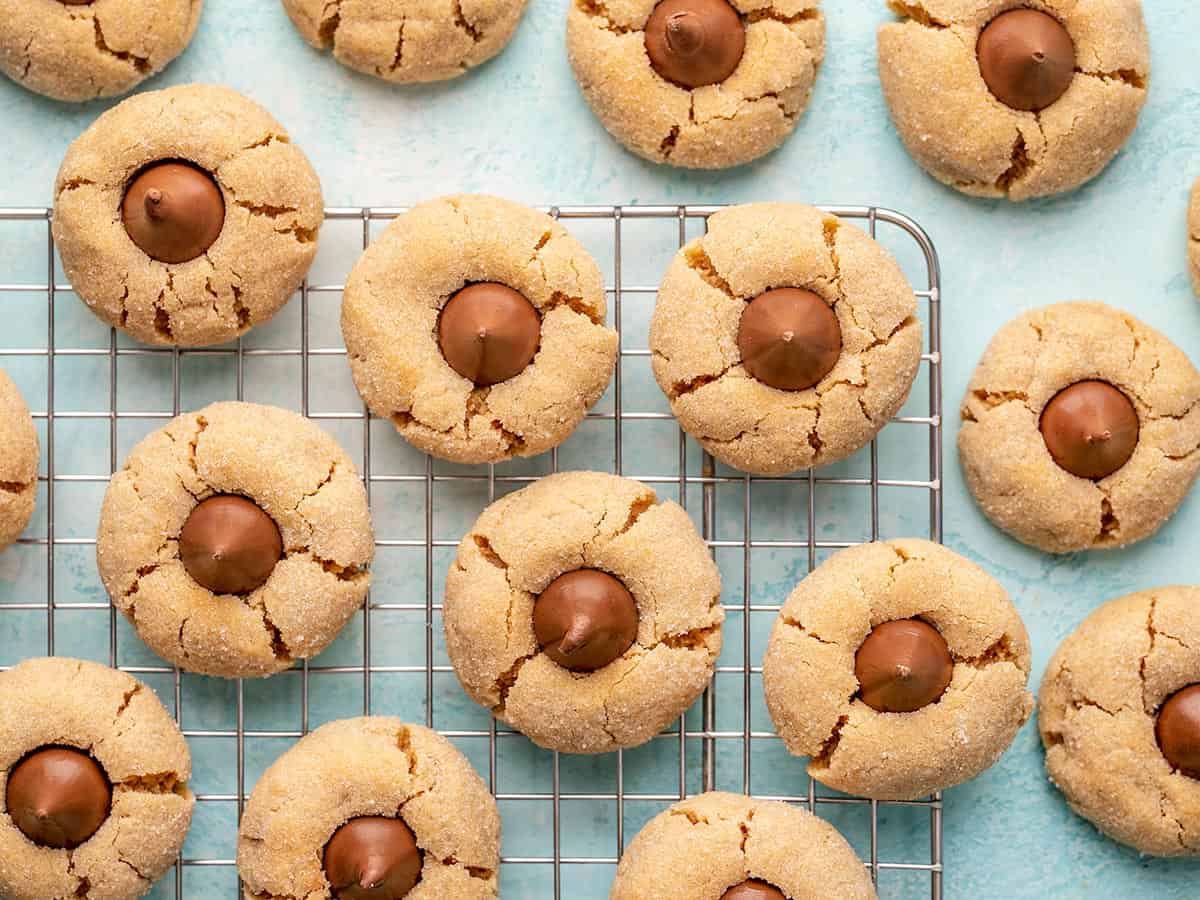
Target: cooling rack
[(94, 394)]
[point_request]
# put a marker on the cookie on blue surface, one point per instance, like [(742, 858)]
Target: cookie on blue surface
[(1119, 714), (899, 669), (704, 84), (186, 216), (94, 801), (1080, 428), (79, 50), (408, 40), (1018, 103)]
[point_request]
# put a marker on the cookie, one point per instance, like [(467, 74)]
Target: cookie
[(408, 40), (93, 783), (186, 216), (1119, 719), (79, 50), (370, 797), (236, 540), (768, 380), (18, 462), (899, 668), (706, 845), (513, 368), (703, 84), (1080, 428), (1052, 89), (540, 631), (1194, 237)]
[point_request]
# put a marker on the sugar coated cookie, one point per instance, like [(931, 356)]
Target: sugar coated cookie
[(784, 338), (366, 808), (408, 40), (94, 802), (79, 50), (1119, 713), (721, 846), (584, 612), (705, 84), (1080, 428), (186, 216), (1052, 89), (18, 462), (476, 325), (899, 668), (236, 540)]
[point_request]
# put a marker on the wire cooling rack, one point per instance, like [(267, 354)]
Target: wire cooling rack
[(94, 394)]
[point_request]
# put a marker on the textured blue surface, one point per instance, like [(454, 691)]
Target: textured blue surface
[(518, 127)]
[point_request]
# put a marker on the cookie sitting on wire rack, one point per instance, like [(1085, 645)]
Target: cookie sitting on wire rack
[(1052, 89), (18, 462), (704, 84), (236, 540), (477, 327), (584, 612), (719, 846), (784, 338), (94, 800)]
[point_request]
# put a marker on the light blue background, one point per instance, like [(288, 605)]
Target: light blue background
[(519, 127)]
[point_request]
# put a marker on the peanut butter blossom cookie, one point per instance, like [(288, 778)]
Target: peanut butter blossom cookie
[(899, 668), (18, 462), (94, 800), (1119, 714), (476, 326), (784, 338), (186, 216), (584, 612), (1052, 90), (1194, 237), (236, 540), (408, 40), (705, 84), (370, 809), (83, 49), (721, 846), (1080, 428)]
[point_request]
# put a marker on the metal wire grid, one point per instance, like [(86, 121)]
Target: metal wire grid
[(707, 479)]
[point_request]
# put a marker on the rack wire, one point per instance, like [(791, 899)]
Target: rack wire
[(587, 827)]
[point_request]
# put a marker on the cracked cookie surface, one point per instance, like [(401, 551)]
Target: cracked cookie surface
[(1097, 710), (101, 49), (812, 692), (408, 40), (558, 524), (932, 84), (122, 724), (1194, 237), (390, 314), (294, 472), (694, 338), (744, 117), (1007, 465), (702, 846), (372, 766), (273, 210), (18, 462)]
